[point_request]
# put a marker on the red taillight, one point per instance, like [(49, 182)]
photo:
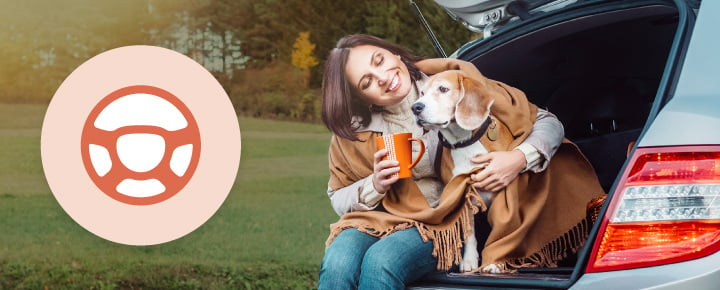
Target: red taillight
[(665, 209)]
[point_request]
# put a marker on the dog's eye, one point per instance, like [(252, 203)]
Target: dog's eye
[(422, 93), (443, 89)]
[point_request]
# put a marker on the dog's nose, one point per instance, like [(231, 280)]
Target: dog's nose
[(417, 108)]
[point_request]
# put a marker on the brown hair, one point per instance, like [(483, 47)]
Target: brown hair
[(340, 103)]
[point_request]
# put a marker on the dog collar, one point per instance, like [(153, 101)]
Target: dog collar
[(474, 138)]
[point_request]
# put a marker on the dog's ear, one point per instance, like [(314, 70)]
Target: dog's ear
[(474, 103)]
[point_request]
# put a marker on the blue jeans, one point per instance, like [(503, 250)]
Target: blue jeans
[(356, 260)]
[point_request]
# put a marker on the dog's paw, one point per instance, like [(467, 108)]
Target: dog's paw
[(492, 269), (470, 260)]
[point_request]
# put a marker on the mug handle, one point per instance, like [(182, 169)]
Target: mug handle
[(420, 154)]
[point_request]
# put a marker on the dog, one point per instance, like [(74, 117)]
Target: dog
[(454, 104)]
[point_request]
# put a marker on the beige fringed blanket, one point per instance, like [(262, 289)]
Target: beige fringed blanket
[(405, 206), (536, 220)]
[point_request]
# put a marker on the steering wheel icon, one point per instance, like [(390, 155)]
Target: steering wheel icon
[(144, 185)]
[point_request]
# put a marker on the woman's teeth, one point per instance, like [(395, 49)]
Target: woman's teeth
[(394, 84)]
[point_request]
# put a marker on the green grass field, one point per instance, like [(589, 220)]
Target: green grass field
[(269, 233)]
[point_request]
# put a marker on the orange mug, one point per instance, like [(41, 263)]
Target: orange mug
[(399, 148)]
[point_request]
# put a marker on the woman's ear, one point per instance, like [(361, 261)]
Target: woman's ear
[(473, 105)]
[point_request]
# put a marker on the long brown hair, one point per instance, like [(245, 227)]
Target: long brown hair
[(340, 103)]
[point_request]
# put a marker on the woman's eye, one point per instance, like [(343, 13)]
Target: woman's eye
[(443, 89), (379, 59), (366, 84)]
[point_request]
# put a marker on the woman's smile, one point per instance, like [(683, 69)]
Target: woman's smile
[(394, 84)]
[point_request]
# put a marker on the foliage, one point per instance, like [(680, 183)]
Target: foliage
[(216, 50), (268, 28), (45, 40), (302, 54), (277, 90), (42, 41)]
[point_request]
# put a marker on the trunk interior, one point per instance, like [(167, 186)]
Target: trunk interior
[(599, 74)]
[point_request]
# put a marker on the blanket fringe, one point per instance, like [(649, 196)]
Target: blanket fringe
[(336, 229), (448, 242), (550, 254)]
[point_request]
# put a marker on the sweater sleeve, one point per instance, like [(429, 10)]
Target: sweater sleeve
[(543, 141), (359, 196)]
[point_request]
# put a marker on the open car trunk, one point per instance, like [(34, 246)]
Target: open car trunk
[(598, 68)]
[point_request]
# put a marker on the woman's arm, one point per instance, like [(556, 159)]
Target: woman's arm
[(359, 196), (546, 136), (533, 154)]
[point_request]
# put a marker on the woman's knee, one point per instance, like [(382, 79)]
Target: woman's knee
[(340, 261), (380, 271), (348, 247), (336, 272), (341, 264), (398, 258)]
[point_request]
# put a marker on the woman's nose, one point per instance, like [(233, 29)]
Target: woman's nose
[(381, 81), (380, 75)]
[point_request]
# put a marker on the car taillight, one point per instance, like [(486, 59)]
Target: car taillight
[(665, 209)]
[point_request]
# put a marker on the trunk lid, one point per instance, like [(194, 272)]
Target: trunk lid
[(485, 16)]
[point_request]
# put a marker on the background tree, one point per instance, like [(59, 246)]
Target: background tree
[(303, 56)]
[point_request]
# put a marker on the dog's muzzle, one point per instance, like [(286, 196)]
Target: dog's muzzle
[(417, 108)]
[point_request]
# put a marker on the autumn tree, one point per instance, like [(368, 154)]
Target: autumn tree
[(303, 56)]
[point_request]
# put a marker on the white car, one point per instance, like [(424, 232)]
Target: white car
[(637, 87)]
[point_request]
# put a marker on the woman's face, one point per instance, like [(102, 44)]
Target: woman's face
[(378, 75)]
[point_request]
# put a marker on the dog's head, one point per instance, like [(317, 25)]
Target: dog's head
[(453, 96)]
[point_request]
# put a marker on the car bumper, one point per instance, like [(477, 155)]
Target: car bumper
[(703, 273)]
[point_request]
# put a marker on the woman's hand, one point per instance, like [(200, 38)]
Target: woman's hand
[(383, 171), (501, 168)]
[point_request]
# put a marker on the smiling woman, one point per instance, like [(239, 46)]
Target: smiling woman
[(342, 96), (369, 86), (385, 81)]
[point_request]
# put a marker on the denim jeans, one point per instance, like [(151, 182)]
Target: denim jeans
[(356, 260)]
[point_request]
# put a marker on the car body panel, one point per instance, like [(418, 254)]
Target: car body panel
[(700, 273), (695, 106), (681, 121)]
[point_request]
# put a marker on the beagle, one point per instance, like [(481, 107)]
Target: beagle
[(454, 104)]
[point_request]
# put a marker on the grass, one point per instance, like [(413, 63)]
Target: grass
[(269, 233)]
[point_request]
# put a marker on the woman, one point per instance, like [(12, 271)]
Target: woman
[(368, 87)]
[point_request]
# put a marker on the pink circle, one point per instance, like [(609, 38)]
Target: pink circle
[(108, 183), (196, 201)]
